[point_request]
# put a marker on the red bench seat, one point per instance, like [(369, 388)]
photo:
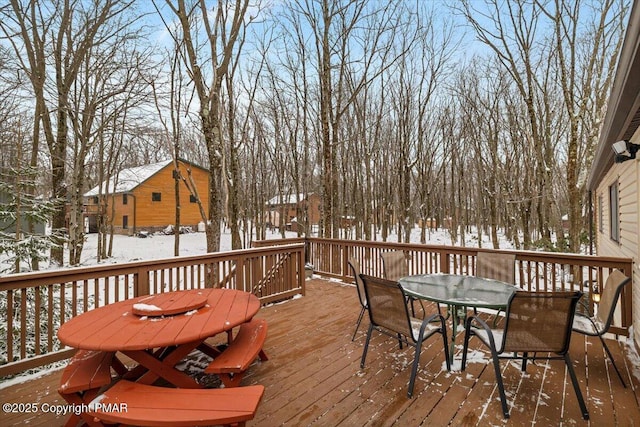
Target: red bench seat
[(82, 379), (138, 404), (231, 364)]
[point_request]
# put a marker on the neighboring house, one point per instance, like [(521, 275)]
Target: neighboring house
[(143, 198), (285, 210), (10, 226), (613, 181)]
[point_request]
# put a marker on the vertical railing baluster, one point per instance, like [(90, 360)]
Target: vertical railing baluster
[(9, 338), (36, 319), (50, 317)]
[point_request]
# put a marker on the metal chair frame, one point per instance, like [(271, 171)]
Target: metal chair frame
[(535, 322), (355, 270), (394, 265), (389, 315), (496, 266), (600, 323)]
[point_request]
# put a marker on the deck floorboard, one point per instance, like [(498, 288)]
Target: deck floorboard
[(313, 377)]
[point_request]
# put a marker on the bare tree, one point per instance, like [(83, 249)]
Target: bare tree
[(236, 125), (20, 205), (108, 86), (511, 31), (175, 102), (413, 86), (585, 79), (220, 28), (553, 50), (337, 28), (52, 41)]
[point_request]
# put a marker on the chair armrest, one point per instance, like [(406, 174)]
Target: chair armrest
[(430, 319), (483, 325), (477, 319)]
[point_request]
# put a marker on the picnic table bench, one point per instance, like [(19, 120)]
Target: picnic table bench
[(88, 372), (248, 344), (158, 331), (131, 403)]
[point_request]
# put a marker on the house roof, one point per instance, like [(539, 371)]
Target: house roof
[(128, 179), (623, 111)]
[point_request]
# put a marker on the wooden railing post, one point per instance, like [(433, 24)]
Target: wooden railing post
[(306, 250), (141, 282), (239, 272), (445, 261), (345, 259), (626, 300)]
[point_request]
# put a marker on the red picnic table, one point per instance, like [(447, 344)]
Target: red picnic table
[(158, 331)]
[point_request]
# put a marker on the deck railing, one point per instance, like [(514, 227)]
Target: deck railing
[(34, 305), (543, 271)]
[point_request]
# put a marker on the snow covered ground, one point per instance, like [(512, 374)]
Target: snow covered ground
[(158, 246)]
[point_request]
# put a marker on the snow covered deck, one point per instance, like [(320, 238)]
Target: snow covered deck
[(313, 375)]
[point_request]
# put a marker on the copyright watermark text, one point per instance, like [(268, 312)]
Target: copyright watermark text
[(62, 409)]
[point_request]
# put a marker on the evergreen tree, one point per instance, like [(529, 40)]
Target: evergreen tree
[(22, 245)]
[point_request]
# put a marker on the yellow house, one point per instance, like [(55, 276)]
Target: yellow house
[(614, 177), (143, 198)]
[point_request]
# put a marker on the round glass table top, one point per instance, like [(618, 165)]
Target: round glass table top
[(459, 290)]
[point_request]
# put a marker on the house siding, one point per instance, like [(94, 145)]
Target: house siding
[(162, 213), (627, 175), (622, 122)]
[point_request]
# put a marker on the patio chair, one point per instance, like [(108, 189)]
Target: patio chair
[(597, 325), (536, 322), (389, 314), (354, 266), (497, 266), (394, 267)]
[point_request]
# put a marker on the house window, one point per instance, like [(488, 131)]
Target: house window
[(614, 213), (125, 199), (156, 197), (600, 214), (95, 200), (125, 221), (193, 199)]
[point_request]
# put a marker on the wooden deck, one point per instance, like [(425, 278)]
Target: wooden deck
[(313, 376)]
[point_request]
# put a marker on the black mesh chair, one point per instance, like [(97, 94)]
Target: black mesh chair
[(354, 266), (597, 325), (389, 314), (536, 322)]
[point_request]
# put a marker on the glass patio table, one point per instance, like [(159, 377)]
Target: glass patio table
[(458, 292)]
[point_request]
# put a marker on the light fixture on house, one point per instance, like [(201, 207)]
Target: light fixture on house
[(624, 150), (595, 295)]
